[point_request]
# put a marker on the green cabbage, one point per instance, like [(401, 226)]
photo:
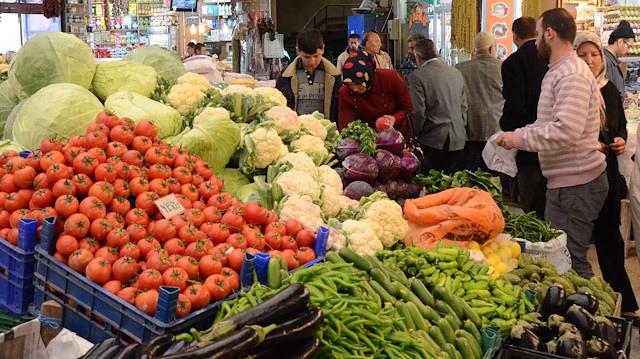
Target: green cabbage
[(59, 110), (166, 63), (7, 102), (114, 76), (51, 57), (139, 108), (215, 140), (250, 193), (234, 180), (11, 119), (8, 145)]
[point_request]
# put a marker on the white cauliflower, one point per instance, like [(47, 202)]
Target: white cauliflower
[(301, 161), (244, 90), (194, 79), (361, 238), (314, 126), (336, 240), (211, 112), (185, 97), (264, 145), (297, 182), (329, 177), (284, 151), (285, 119), (385, 217), (302, 209), (273, 94), (330, 201), (309, 145), (346, 203)]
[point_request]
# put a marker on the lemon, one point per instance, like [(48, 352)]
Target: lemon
[(474, 245), (515, 249), (491, 261), (502, 244), (505, 252), (502, 268), (494, 247), (487, 251), (495, 275), (495, 257)]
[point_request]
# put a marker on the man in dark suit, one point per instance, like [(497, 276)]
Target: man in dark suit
[(522, 75)]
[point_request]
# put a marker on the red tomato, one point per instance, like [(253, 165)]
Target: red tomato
[(137, 216), (76, 141), (141, 144), (175, 277), (288, 243), (89, 243), (50, 158), (180, 221), (83, 183), (116, 220), (99, 229), (164, 230), (217, 287), (130, 250), (232, 278), (146, 245), (133, 158), (108, 119), (122, 134), (159, 186), (144, 201), (113, 286), (235, 259), (195, 216), (119, 205), (62, 259), (237, 240), (174, 246), (70, 153), (128, 294), (42, 198), (136, 232), (103, 191), (306, 238), (255, 214), (207, 189), (273, 240), (221, 201), (118, 238), (8, 184), (107, 253), (291, 258), (121, 188), (85, 163), (271, 217), (147, 301), (93, 208), (190, 265), (210, 264), (276, 227), (98, 271), (184, 306), (203, 169), (190, 234), (150, 279), (24, 176), (305, 255), (198, 295), (159, 261), (4, 219), (96, 139), (77, 225), (124, 269), (174, 185), (293, 226), (65, 206), (40, 181), (79, 259), (115, 149), (17, 215), (219, 233), (64, 187), (13, 202), (51, 144), (233, 220), (105, 172), (147, 129), (58, 171), (196, 250)]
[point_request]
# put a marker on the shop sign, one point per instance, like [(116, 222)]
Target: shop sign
[(497, 18), (169, 206), (419, 17)]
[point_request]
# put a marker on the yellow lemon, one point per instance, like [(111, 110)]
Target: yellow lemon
[(495, 275), (494, 247), (505, 252), (502, 268), (474, 245), (515, 249), (502, 244), (491, 261), (515, 261), (486, 251), (495, 257)]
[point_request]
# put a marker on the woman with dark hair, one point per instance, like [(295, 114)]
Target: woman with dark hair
[(369, 93), (613, 133)]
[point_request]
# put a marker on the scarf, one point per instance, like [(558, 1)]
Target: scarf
[(359, 69), (588, 36)]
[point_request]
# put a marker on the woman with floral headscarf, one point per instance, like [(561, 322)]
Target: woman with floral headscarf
[(613, 133), (369, 93)]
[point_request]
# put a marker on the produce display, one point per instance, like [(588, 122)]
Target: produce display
[(501, 256), (528, 226)]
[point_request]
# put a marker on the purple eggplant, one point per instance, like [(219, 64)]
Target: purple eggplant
[(554, 302), (582, 319), (585, 300), (602, 349), (554, 322), (571, 345), (605, 329), (523, 336)]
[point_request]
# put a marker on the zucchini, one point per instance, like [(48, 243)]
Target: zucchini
[(421, 291), (473, 329), (274, 281), (436, 335), (404, 312), (351, 256), (469, 313), (443, 308), (334, 257), (418, 319), (397, 275), (475, 346), (383, 279), (451, 350), (444, 294), (375, 263), (384, 295), (429, 340), (464, 347), (446, 330), (452, 322)]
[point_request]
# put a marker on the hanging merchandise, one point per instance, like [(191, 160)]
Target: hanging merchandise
[(51, 8), (532, 8), (463, 24)]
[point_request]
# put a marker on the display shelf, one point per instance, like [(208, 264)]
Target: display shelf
[(630, 59)]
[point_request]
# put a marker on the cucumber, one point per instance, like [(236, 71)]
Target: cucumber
[(273, 275), (384, 295), (421, 291), (352, 257), (444, 294), (436, 335), (418, 319), (465, 348), (473, 329), (451, 350), (475, 346), (429, 341), (398, 275), (447, 330), (443, 308), (404, 312), (333, 257), (375, 263), (383, 279), (469, 313), (430, 314), (452, 322)]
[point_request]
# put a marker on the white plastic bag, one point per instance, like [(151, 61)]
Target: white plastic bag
[(555, 252), (206, 66), (498, 158)]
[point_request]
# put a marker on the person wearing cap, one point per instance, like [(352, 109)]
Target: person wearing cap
[(483, 83), (620, 42), (613, 132), (440, 106), (371, 93)]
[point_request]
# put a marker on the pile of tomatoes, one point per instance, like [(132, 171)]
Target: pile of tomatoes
[(102, 187)]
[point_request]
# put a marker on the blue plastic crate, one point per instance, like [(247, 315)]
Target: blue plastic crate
[(17, 265), (95, 314)]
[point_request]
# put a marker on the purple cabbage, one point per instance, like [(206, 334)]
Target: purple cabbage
[(401, 201), (377, 186), (358, 189), (346, 147), (403, 189), (414, 190), (392, 189), (343, 176), (390, 140), (360, 167), (389, 165), (410, 165)]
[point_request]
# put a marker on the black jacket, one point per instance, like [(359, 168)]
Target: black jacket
[(616, 127), (522, 75)]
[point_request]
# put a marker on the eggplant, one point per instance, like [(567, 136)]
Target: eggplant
[(236, 345), (571, 345), (585, 322), (569, 328), (606, 330), (602, 349), (552, 345), (534, 327), (101, 347), (176, 347), (155, 346), (554, 302), (299, 350), (523, 336), (289, 300), (301, 326), (110, 352), (585, 300), (554, 322), (129, 352)]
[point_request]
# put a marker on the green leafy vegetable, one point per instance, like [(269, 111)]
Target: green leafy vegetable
[(438, 181), (166, 63), (7, 102), (234, 180), (529, 227), (362, 133), (11, 119), (59, 111), (114, 76), (8, 145)]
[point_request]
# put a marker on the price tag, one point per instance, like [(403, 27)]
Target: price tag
[(169, 206)]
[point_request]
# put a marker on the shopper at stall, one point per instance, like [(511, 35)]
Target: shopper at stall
[(522, 75), (483, 84), (613, 134), (565, 135), (354, 45), (440, 106), (311, 82), (620, 42), (371, 44), (191, 50), (409, 63), (371, 93), (200, 49)]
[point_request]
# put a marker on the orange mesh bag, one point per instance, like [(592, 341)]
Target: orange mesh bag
[(461, 214)]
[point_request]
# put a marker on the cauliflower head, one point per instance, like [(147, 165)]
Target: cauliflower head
[(265, 146), (194, 79), (330, 201), (273, 94), (300, 161), (384, 216), (297, 182), (4, 67), (302, 209), (185, 97), (309, 145), (313, 125), (336, 240), (243, 90), (284, 151), (346, 203), (329, 177), (285, 119), (211, 112), (361, 238)]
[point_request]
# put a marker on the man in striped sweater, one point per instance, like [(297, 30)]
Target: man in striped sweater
[(565, 135)]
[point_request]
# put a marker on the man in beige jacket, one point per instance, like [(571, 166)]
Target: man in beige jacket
[(371, 44)]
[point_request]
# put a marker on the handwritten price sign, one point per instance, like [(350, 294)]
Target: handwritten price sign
[(169, 206)]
